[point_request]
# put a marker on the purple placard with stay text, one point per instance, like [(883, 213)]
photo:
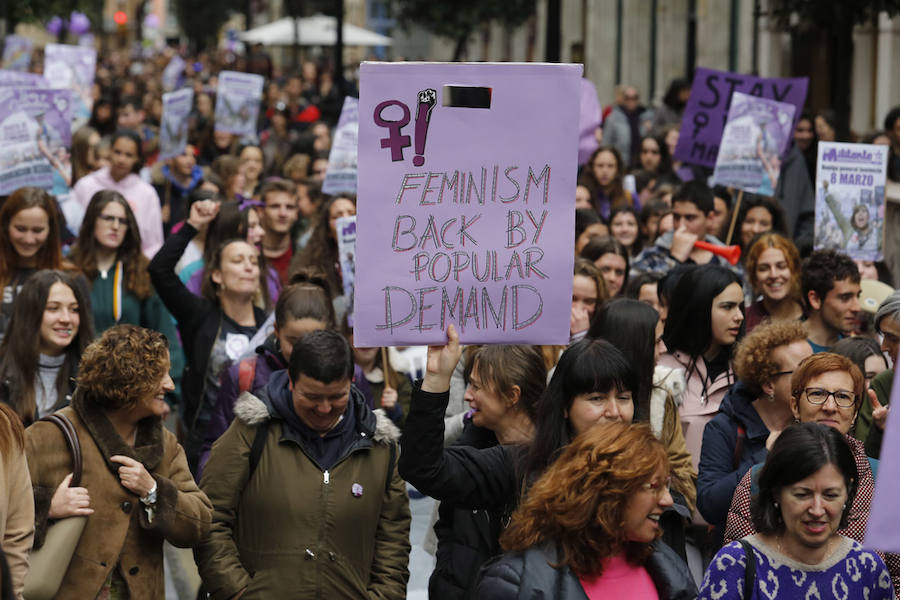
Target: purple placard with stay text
[(707, 108), (466, 202)]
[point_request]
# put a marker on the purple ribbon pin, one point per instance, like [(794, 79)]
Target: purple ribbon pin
[(356, 490)]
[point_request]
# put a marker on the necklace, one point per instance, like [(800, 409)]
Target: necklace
[(828, 549)]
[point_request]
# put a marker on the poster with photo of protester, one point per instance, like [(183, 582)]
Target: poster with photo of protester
[(850, 199), (755, 137), (340, 178), (68, 67), (237, 102), (35, 137), (173, 130), (16, 53)]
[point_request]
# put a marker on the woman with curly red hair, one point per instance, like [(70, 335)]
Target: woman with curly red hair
[(590, 524), (773, 271)]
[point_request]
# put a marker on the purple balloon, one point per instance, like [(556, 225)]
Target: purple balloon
[(79, 23), (55, 25), (151, 21)]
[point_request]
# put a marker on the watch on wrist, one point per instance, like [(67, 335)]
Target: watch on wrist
[(150, 498)]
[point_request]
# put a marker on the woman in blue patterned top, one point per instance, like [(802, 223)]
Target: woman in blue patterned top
[(805, 490)]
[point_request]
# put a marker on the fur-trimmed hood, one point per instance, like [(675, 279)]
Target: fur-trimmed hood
[(253, 410)]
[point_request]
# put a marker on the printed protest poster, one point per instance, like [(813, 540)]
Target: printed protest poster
[(466, 202), (173, 74), (883, 528), (69, 67), (850, 199), (755, 137), (340, 178), (237, 102), (21, 79), (707, 108), (16, 53), (35, 135), (346, 239), (173, 130)]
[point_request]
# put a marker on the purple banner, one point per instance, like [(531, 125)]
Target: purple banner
[(883, 528), (850, 180), (237, 102), (16, 53), (69, 67), (35, 135), (340, 178), (466, 198), (755, 138), (21, 79), (707, 108)]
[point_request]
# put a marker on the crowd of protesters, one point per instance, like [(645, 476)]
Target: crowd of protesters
[(726, 416)]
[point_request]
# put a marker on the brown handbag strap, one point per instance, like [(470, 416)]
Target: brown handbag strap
[(68, 431)]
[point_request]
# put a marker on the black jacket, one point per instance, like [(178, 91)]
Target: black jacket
[(466, 538), (530, 574), (470, 478), (721, 466), (198, 320)]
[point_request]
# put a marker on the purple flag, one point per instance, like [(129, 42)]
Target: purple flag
[(707, 108), (883, 528), (466, 198)]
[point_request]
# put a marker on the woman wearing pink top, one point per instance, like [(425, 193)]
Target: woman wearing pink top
[(589, 526), (121, 176)]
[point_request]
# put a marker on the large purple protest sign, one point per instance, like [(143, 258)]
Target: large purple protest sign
[(16, 53), (237, 102), (755, 137), (20, 79), (34, 136), (707, 108), (850, 180), (346, 241), (72, 67), (466, 202), (340, 178), (173, 131), (883, 528)]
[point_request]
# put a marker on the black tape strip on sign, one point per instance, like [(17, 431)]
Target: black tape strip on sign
[(463, 96)]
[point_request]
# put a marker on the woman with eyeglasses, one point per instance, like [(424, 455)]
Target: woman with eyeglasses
[(807, 493), (826, 388), (590, 524), (752, 415)]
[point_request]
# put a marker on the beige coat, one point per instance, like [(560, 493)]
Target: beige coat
[(118, 533)]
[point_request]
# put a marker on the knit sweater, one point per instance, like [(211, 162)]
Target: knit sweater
[(849, 572)]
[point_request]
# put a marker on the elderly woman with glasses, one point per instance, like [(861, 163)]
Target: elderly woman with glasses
[(828, 389)]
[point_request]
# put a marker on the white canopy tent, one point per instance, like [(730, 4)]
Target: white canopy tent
[(319, 30)]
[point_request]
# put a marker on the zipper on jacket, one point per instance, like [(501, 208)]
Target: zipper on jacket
[(325, 477)]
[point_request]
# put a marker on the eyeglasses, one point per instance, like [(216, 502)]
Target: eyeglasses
[(819, 396), (657, 487), (110, 219)]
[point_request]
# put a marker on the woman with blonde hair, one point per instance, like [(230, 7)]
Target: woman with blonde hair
[(589, 526)]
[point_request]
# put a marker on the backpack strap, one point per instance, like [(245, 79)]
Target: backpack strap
[(749, 569), (246, 373), (256, 450), (71, 436)]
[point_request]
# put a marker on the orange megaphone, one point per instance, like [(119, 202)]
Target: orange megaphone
[(730, 253)]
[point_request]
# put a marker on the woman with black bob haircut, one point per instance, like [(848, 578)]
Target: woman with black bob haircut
[(36, 374), (806, 489), (705, 319), (593, 383)]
